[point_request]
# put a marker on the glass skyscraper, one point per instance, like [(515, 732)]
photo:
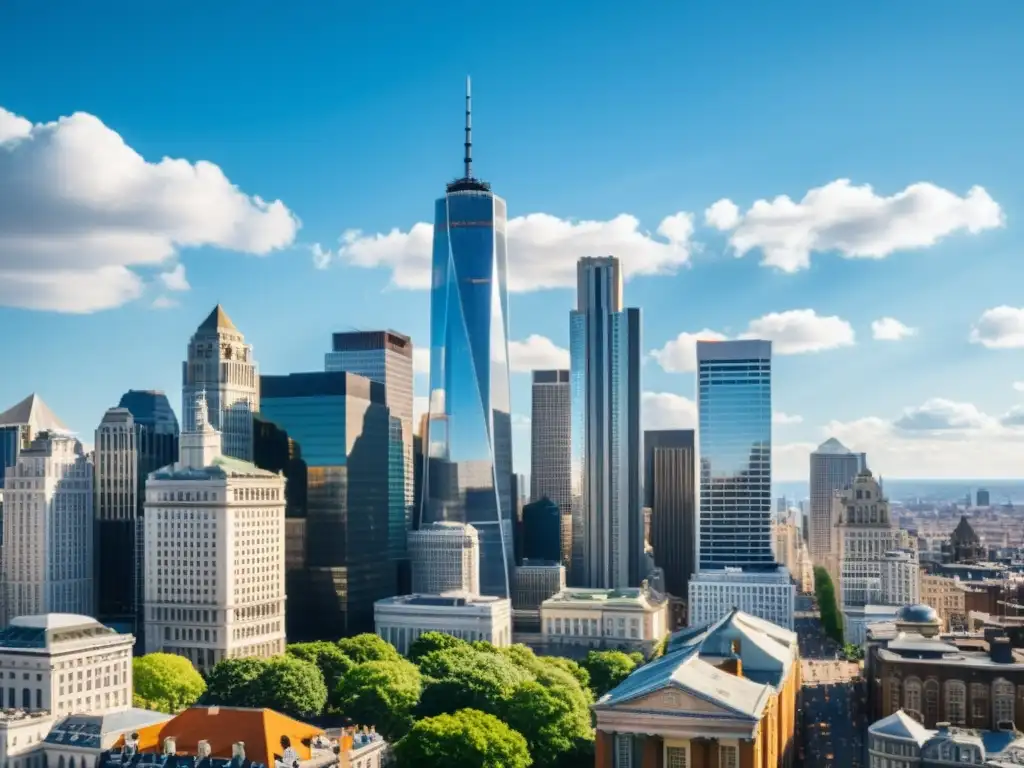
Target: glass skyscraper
[(469, 434), (735, 413)]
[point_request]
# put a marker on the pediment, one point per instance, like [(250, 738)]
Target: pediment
[(674, 700)]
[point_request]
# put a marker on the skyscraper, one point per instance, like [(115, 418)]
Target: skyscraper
[(550, 457), (220, 364), (736, 566), (607, 512), (670, 491), (386, 356), (469, 433), (445, 558), (834, 467), (19, 425)]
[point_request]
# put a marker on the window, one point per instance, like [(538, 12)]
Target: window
[(728, 757), (623, 751), (912, 697), (979, 703), (931, 702), (675, 757), (956, 702), (1002, 702), (894, 694)]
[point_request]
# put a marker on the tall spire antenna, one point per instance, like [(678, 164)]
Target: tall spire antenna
[(468, 160)]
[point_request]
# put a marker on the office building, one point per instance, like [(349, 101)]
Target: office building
[(221, 364), (983, 498), (736, 566), (386, 357), (577, 620), (48, 535), (445, 557), (604, 341), (214, 553), (402, 619), (469, 429), (833, 469), (724, 695), (550, 456), (19, 425), (536, 581), (341, 427), (670, 492), (542, 531)]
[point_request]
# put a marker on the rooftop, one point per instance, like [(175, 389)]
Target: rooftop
[(45, 631), (626, 597), (833, 446), (454, 599), (217, 320), (900, 725), (34, 412), (223, 467), (88, 730)]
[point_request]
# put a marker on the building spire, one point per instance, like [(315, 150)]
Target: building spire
[(468, 160)]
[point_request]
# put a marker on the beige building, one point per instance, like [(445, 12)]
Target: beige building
[(948, 597), (631, 618)]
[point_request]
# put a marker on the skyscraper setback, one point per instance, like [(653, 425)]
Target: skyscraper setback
[(604, 338), (550, 464), (469, 430)]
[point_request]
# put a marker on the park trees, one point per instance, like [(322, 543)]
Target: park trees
[(828, 607), (166, 682), (287, 684), (607, 669), (381, 693), (466, 738)]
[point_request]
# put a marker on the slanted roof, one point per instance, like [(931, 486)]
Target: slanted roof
[(88, 730), (832, 446), (964, 533), (34, 412), (261, 730), (217, 320), (900, 725)]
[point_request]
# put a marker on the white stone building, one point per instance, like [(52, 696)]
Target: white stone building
[(445, 557), (221, 365), (769, 595), (400, 620), (214, 554), (48, 529), (632, 618)]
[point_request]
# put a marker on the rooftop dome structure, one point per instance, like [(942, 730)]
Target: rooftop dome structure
[(918, 614)]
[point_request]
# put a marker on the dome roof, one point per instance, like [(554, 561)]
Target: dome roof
[(918, 614)]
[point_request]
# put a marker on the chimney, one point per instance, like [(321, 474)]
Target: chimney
[(1000, 651), (169, 745)]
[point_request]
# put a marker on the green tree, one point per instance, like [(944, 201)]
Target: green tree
[(381, 693), (637, 657), (607, 669), (482, 681), (327, 656), (166, 682), (439, 664), (467, 738), (368, 647), (552, 718), (234, 682), (429, 642), (825, 592), (292, 686)]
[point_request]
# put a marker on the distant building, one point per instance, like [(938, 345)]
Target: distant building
[(400, 620), (48, 549), (833, 469), (670, 485), (20, 424), (769, 595), (550, 448), (920, 747), (542, 531), (445, 557), (533, 583), (982, 498), (965, 545), (214, 553), (948, 597), (577, 620), (220, 364), (724, 695)]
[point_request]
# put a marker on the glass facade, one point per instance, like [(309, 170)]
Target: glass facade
[(735, 415), (469, 440), (340, 425)]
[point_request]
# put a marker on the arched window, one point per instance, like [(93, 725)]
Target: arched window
[(60, 762), (979, 704), (894, 694), (71, 762), (912, 697), (931, 702), (1002, 702), (956, 702)]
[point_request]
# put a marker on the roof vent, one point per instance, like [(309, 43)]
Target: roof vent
[(170, 745), (238, 750), (213, 710), (203, 749)]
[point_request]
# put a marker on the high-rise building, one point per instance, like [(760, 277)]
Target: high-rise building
[(386, 356), (833, 469), (214, 553), (48, 529), (341, 427), (445, 557), (469, 433), (736, 566), (983, 498), (19, 425), (542, 531), (670, 492), (221, 364), (138, 437), (550, 453), (607, 508)]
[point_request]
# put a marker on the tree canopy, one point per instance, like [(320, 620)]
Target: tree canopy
[(368, 647), (166, 682), (432, 641), (467, 738), (288, 684), (328, 657), (382, 694), (233, 683), (607, 669), (825, 592), (481, 681)]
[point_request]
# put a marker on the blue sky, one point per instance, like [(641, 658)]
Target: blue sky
[(350, 116)]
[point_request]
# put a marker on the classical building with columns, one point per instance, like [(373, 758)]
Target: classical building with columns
[(724, 695)]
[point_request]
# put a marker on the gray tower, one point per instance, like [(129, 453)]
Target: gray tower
[(834, 467), (550, 458)]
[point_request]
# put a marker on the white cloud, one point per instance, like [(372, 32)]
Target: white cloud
[(853, 221), (321, 257), (536, 353), (542, 249), (164, 302), (665, 410), (680, 354), (518, 420), (779, 418), (941, 415), (1000, 328), (421, 360), (175, 280), (1019, 386), (790, 461), (890, 329), (81, 211)]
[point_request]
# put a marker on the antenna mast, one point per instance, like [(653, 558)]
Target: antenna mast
[(468, 160)]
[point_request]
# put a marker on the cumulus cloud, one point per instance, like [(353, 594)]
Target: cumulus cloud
[(779, 418), (542, 249), (421, 360), (853, 221), (665, 410), (1000, 328), (890, 329), (81, 212), (939, 414), (536, 353), (794, 332), (175, 279)]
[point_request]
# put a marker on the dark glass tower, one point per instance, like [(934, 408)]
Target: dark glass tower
[(670, 491), (469, 434)]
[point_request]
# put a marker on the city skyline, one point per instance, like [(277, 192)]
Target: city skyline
[(666, 176)]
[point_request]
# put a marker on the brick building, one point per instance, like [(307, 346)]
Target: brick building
[(723, 696)]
